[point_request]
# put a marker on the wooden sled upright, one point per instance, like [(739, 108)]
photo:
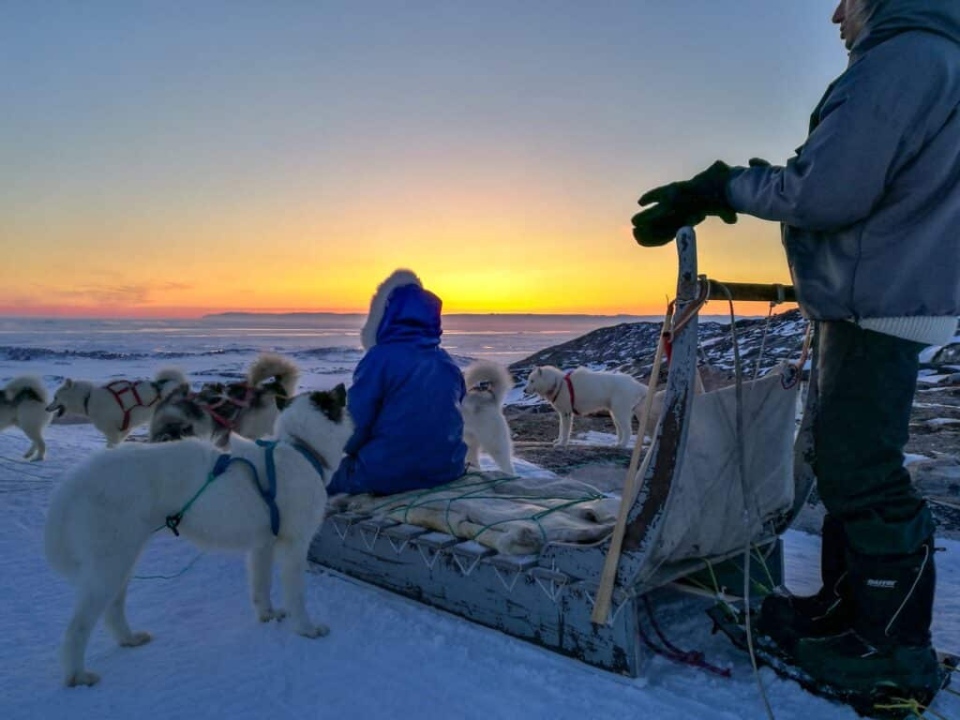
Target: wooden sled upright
[(547, 598)]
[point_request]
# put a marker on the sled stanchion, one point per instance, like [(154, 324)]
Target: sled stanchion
[(631, 483)]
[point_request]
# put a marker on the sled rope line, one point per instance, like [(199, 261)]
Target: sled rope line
[(748, 517), (914, 707), (175, 575), (173, 521), (696, 658), (763, 341)]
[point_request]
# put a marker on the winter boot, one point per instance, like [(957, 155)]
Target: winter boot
[(889, 643), (786, 619)]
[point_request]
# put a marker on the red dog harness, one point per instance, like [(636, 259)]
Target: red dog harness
[(124, 389), (573, 396)]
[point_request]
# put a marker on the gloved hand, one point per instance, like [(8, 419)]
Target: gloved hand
[(683, 203)]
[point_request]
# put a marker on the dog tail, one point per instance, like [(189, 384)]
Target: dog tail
[(495, 375), (26, 387), (269, 365), (170, 379)]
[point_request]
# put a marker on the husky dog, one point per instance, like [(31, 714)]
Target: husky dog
[(249, 408), (23, 404), (585, 391), (119, 406), (484, 426), (104, 513)]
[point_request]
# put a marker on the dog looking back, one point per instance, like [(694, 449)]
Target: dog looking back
[(484, 425)]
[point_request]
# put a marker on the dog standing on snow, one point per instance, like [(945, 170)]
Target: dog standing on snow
[(249, 408), (23, 404), (484, 426), (103, 514), (117, 407), (584, 391)]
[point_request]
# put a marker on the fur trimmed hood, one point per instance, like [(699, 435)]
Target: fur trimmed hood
[(402, 310)]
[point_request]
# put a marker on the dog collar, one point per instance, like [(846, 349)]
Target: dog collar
[(312, 456)]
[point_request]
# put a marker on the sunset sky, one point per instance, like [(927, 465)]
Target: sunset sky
[(176, 158)]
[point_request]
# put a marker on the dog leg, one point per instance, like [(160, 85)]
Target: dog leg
[(92, 598), (38, 447), (292, 558), (259, 571), (566, 426), (473, 453), (624, 428), (115, 619), (501, 456)]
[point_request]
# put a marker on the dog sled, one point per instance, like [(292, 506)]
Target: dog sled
[(725, 474)]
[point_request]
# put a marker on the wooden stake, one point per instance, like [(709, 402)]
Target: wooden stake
[(632, 484)]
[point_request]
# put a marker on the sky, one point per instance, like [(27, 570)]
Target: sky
[(169, 159)]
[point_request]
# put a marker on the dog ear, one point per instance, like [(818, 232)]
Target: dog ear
[(340, 393), (328, 402), (68, 383)]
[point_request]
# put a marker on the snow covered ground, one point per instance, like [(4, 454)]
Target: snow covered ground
[(386, 657)]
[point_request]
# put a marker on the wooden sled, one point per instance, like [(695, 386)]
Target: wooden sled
[(548, 598)]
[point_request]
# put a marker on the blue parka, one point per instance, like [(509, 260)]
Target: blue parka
[(405, 399)]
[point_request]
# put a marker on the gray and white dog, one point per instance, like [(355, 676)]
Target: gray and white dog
[(248, 408), (23, 404)]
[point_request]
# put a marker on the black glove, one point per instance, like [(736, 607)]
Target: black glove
[(683, 203)]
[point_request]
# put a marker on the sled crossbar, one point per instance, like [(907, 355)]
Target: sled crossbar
[(750, 292), (547, 598)]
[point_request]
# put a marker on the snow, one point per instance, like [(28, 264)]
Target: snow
[(386, 656)]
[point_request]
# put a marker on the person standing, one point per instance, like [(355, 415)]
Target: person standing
[(870, 214)]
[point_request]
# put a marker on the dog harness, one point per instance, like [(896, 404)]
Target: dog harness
[(573, 396), (235, 404), (123, 388), (269, 495)]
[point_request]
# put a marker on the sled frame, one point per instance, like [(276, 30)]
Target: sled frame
[(548, 598)]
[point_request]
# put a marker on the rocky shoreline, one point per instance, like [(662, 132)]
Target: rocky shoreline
[(933, 449)]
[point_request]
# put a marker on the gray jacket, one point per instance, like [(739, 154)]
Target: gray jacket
[(870, 205)]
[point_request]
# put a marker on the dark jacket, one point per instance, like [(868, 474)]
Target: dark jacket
[(871, 202), (405, 398)]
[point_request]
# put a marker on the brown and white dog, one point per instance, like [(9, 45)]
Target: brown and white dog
[(248, 408)]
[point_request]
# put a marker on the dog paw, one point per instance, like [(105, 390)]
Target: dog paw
[(314, 631), (82, 678), (136, 639), (271, 614)]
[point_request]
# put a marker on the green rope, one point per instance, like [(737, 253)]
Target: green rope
[(474, 491), (170, 577), (173, 521)]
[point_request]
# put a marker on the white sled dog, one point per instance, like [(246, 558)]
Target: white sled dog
[(104, 513), (484, 425), (584, 391), (117, 407), (248, 408), (23, 404)]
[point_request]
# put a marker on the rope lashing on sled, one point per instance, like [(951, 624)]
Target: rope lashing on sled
[(481, 490)]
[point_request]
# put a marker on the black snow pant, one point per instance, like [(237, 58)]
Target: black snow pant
[(867, 382)]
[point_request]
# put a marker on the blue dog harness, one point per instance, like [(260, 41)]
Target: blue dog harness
[(269, 494)]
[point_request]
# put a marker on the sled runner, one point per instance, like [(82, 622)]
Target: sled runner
[(717, 487), (890, 704)]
